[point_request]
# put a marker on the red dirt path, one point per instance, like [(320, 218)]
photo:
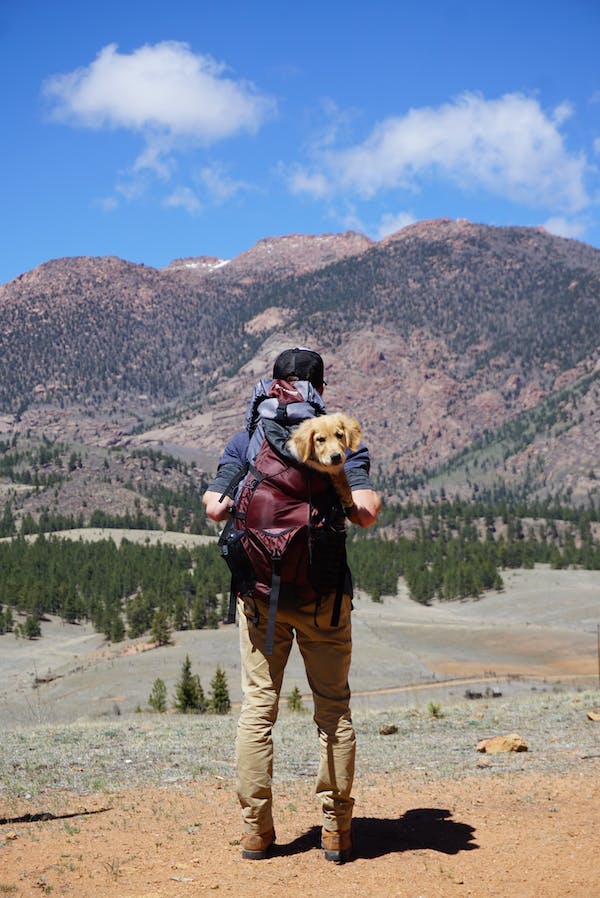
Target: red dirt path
[(485, 835)]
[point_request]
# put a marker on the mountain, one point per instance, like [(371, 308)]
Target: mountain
[(280, 256), (469, 353), (85, 329)]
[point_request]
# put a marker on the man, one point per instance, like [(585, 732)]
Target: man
[(325, 647)]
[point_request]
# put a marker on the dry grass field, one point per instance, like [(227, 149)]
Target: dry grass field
[(542, 627), (97, 800)]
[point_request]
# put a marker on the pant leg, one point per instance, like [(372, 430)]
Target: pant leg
[(262, 677), (327, 654)]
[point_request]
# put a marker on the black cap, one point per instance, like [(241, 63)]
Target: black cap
[(299, 364)]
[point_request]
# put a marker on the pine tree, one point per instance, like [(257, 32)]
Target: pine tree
[(8, 620), (158, 697), (160, 630), (189, 695), (117, 629), (199, 613), (32, 628), (71, 606), (140, 613), (180, 614), (7, 522), (220, 702)]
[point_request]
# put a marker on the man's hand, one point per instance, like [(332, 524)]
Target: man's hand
[(367, 506), (215, 509)]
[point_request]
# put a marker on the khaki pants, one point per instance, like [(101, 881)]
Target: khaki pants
[(326, 651)]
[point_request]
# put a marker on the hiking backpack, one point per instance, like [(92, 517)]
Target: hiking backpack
[(286, 535)]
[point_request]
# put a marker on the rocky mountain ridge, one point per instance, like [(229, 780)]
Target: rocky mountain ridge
[(436, 338), (279, 256)]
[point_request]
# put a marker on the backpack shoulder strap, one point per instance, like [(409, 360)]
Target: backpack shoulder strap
[(235, 482)]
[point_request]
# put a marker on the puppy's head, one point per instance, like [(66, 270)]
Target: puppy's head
[(323, 441), (352, 431)]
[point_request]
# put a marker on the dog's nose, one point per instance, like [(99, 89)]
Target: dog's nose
[(336, 458)]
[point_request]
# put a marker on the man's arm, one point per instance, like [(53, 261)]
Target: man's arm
[(366, 501), (231, 464)]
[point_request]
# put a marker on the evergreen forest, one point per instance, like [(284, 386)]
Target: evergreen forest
[(443, 550), (128, 589)]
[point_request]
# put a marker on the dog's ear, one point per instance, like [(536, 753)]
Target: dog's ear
[(303, 441), (353, 432)]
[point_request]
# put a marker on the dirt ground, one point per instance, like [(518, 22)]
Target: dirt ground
[(484, 835)]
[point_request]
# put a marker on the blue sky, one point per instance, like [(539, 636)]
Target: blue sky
[(156, 130)]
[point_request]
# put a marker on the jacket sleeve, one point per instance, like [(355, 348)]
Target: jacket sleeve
[(231, 463), (357, 467)]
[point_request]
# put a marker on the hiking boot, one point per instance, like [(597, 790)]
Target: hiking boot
[(337, 845), (256, 846)]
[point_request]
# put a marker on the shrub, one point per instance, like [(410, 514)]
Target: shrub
[(435, 710), (294, 700), (158, 697), (219, 698)]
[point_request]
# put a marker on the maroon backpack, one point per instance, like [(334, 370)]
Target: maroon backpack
[(286, 536)]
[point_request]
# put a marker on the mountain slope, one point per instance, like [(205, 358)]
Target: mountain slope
[(434, 337)]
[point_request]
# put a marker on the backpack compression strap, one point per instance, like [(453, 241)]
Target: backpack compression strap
[(339, 593), (273, 602)]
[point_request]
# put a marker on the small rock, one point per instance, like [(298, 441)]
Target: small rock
[(512, 742), (593, 715), (483, 762), (388, 729)]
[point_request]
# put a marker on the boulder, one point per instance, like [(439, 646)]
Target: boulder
[(388, 729), (512, 742)]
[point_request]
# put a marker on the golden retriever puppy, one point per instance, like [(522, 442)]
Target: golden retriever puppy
[(321, 443)]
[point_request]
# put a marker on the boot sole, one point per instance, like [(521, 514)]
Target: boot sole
[(337, 856), (257, 855)]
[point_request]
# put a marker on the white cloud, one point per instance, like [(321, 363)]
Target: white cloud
[(349, 219), (389, 223), (562, 112), (131, 187), (316, 184), (155, 157), (337, 124), (184, 198), (167, 93), (507, 146), (106, 203), (219, 185), (562, 227)]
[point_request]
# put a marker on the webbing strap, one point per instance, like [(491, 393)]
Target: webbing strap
[(230, 619), (273, 602), (339, 593), (257, 475), (234, 482)]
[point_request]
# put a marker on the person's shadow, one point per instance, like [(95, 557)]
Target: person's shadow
[(373, 837)]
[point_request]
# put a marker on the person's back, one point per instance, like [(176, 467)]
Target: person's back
[(316, 613)]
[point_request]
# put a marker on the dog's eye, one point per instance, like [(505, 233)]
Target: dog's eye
[(319, 439), (339, 435)]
